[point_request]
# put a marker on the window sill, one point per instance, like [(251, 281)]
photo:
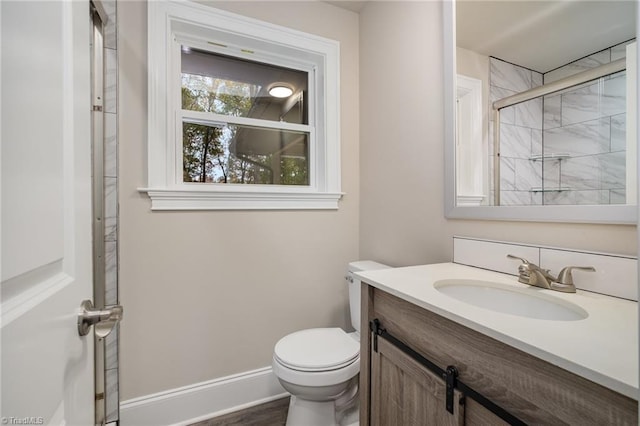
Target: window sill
[(183, 199)]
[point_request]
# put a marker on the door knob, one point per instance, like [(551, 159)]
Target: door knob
[(103, 319)]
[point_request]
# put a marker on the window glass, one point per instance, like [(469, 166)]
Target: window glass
[(244, 155), (236, 87)]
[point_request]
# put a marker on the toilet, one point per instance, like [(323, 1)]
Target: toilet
[(319, 366)]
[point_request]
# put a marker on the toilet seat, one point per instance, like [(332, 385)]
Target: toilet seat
[(315, 378), (317, 357), (317, 349)]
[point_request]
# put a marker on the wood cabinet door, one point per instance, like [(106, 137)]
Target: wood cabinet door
[(403, 392)]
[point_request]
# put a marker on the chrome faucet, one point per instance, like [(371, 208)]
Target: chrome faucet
[(532, 274)]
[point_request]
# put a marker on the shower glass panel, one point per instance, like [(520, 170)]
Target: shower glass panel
[(520, 151), (585, 143)]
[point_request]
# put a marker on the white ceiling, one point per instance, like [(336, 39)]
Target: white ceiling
[(352, 5), (540, 34), (543, 35)]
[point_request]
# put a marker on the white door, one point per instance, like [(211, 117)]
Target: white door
[(47, 368)]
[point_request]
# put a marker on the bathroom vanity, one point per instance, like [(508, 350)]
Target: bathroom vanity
[(436, 358)]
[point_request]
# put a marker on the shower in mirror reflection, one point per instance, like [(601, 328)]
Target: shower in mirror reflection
[(568, 147)]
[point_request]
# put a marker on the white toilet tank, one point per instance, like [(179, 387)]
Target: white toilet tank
[(354, 287)]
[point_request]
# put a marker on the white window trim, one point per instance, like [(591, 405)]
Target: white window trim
[(165, 187)]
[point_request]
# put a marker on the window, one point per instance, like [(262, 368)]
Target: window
[(243, 122), (242, 114)]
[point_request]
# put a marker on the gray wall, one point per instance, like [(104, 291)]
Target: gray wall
[(208, 294), (228, 285)]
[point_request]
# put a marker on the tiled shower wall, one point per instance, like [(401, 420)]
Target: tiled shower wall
[(111, 201), (583, 157), (520, 133), (588, 125)]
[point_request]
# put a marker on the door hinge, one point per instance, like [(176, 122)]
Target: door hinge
[(97, 108)]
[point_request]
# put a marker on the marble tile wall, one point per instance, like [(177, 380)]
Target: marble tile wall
[(583, 129), (520, 133), (587, 126), (111, 203)]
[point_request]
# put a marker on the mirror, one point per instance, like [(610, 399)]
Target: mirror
[(557, 84)]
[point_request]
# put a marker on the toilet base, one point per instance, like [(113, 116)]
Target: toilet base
[(343, 412), (305, 413)]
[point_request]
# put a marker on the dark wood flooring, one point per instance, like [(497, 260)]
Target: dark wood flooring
[(272, 413)]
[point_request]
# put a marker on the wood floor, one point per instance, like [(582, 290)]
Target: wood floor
[(272, 413)]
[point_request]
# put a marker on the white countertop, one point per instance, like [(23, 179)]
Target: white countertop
[(602, 348)]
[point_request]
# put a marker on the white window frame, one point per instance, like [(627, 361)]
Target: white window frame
[(172, 22)]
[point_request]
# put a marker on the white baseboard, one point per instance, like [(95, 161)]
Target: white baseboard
[(202, 401)]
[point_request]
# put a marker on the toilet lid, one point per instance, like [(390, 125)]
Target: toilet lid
[(317, 349)]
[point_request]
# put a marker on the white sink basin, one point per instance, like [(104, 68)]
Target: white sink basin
[(506, 299)]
